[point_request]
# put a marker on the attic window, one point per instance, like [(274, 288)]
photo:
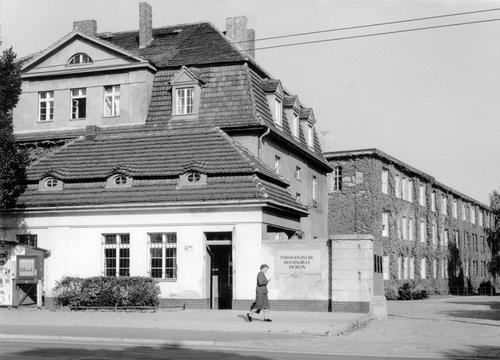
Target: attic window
[(118, 181), (193, 177), (278, 111), (50, 183), (80, 58)]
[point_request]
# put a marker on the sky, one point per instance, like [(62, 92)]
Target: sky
[(429, 98)]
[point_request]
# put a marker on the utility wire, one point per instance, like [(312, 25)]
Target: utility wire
[(372, 25), (376, 34)]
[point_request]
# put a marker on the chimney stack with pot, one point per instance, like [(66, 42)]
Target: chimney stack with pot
[(237, 31)]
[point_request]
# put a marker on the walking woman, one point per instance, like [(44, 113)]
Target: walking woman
[(261, 300)]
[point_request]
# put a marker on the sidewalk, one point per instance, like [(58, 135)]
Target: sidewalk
[(188, 327)]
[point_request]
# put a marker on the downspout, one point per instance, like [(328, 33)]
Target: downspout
[(260, 141)]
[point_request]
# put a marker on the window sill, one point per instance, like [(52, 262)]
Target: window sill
[(111, 116), (164, 280), (45, 121), (77, 119)]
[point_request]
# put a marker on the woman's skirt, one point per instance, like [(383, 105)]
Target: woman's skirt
[(261, 301)]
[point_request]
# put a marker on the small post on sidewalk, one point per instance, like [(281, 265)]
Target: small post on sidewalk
[(39, 290)]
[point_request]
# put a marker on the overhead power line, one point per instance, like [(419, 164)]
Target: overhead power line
[(373, 25), (377, 34)]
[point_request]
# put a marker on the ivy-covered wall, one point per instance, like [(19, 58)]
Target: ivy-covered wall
[(358, 206)]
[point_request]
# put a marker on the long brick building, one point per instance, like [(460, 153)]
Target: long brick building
[(429, 231)]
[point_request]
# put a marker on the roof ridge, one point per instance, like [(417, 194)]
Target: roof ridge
[(154, 28)]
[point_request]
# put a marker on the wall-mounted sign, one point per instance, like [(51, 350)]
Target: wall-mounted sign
[(29, 268), (298, 262)]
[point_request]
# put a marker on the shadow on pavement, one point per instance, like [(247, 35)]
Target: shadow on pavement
[(126, 353), (492, 314), (476, 352)]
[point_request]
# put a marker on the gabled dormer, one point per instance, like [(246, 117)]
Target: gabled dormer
[(120, 177), (194, 175), (186, 93), (51, 181), (292, 111), (274, 95), (307, 123)]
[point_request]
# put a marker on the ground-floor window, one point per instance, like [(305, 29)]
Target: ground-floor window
[(117, 254), (163, 255), (423, 268)]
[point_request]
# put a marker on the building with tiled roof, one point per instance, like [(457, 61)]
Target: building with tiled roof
[(142, 134)]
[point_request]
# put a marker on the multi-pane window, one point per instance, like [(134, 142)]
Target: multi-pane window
[(455, 237), (297, 197), (80, 58), (412, 268), (397, 186), (444, 205), (405, 228), (184, 101), (454, 209), (278, 112), (421, 195), (409, 193), (385, 224), (480, 218), (45, 105), (442, 268), (464, 215), (117, 254), (337, 178), (298, 174), (472, 214), (78, 103), (163, 255), (295, 125), (385, 181), (423, 268), (310, 136), (423, 231), (385, 267), (27, 239), (314, 188), (406, 267), (277, 164), (112, 100), (400, 265), (434, 268), (411, 229), (446, 238), (433, 201), (434, 234)]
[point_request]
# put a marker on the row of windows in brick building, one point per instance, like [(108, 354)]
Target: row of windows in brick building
[(406, 231), (405, 268), (404, 189)]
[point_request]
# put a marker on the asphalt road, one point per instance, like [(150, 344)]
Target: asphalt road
[(75, 351)]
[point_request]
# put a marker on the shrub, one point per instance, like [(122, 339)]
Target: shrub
[(391, 291), (107, 291), (406, 290)]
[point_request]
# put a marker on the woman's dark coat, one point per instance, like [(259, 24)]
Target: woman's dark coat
[(261, 300)]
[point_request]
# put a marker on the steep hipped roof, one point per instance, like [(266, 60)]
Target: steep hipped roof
[(185, 44), (155, 159), (345, 154)]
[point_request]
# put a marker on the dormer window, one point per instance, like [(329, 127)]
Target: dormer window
[(78, 103), (50, 183), (80, 58), (310, 136), (278, 112), (184, 101), (119, 181), (295, 125), (192, 178), (186, 92)]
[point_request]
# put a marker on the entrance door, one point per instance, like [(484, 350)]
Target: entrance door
[(221, 277)]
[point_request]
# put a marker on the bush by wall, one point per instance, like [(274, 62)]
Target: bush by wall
[(412, 290), (107, 291)]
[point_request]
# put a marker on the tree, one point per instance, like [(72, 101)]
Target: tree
[(494, 237), (13, 161)]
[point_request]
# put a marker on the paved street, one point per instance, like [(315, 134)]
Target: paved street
[(450, 327)]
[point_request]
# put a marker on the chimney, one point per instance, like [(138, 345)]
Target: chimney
[(237, 31), (88, 27), (145, 24)]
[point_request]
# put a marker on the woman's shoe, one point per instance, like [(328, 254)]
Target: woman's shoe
[(269, 320), (249, 317)]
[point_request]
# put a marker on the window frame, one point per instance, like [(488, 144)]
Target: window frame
[(48, 100), (314, 185), (295, 125), (337, 179), (421, 195), (166, 243), (385, 181), (83, 56), (118, 245), (298, 173), (277, 164), (183, 108), (114, 93), (278, 112), (78, 98), (27, 239), (385, 224), (310, 136)]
